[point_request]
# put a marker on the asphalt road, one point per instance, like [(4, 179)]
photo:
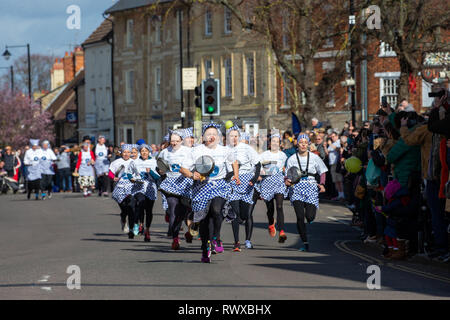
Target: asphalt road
[(39, 240)]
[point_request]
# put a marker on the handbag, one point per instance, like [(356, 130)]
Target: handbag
[(372, 173)]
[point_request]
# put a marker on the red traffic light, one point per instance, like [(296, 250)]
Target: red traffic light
[(210, 100), (209, 90)]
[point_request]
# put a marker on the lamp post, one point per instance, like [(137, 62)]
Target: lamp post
[(7, 55), (11, 70)]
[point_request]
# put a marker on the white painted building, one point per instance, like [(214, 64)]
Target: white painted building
[(98, 118)]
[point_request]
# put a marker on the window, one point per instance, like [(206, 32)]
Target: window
[(388, 88), (286, 84), (208, 23), (177, 82), (285, 31), (227, 19), (126, 134), (386, 50), (157, 84), (129, 135), (93, 97), (129, 86), (250, 76), (208, 67), (158, 31), (228, 77), (129, 33)]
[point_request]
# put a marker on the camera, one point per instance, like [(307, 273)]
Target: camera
[(438, 94)]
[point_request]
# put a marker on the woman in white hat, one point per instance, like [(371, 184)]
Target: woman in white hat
[(175, 185), (241, 197), (85, 169), (118, 171), (272, 187), (32, 160), (48, 157), (210, 193), (304, 195), (102, 166)]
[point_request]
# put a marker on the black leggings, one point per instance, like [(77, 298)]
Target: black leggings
[(271, 211), (243, 212), (211, 224), (177, 213), (144, 209), (304, 210), (34, 185), (128, 209), (46, 182), (103, 181)]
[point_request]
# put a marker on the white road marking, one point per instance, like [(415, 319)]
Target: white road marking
[(46, 288), (44, 278)]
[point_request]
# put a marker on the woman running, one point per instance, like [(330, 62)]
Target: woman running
[(241, 197), (272, 187), (209, 194), (122, 190), (85, 169), (102, 166), (145, 192), (175, 185), (32, 159), (47, 171), (304, 195)]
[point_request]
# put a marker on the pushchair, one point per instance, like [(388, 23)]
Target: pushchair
[(7, 183)]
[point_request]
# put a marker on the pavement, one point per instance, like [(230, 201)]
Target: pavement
[(43, 242)]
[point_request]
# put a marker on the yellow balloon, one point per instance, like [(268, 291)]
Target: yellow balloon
[(353, 165), (229, 124)]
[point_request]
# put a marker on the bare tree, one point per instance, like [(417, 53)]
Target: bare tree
[(40, 73), (412, 28)]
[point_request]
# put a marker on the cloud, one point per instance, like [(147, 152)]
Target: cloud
[(43, 24)]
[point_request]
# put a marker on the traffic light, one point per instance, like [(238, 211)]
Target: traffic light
[(210, 97), (198, 99)]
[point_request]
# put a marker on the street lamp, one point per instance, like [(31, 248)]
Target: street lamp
[(12, 77), (7, 55)]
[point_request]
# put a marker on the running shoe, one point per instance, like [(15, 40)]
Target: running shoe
[(147, 236), (237, 247), (136, 229), (175, 244), (126, 229), (282, 238), (305, 247), (188, 237), (85, 194), (44, 196), (370, 239), (213, 247), (248, 244), (105, 194), (49, 195), (206, 258), (89, 193), (219, 246), (130, 235), (272, 230), (141, 230), (36, 196)]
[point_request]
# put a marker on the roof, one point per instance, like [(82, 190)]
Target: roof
[(100, 34), (123, 5), (65, 99)]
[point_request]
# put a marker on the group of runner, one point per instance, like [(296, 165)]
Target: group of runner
[(208, 183)]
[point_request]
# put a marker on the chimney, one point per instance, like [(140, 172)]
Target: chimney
[(68, 67), (57, 74), (79, 59)]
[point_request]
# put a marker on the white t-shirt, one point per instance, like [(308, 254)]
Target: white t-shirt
[(175, 159), (246, 156), (115, 165), (220, 154), (143, 165), (278, 157), (316, 165)]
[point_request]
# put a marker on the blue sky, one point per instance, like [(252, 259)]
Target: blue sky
[(42, 24)]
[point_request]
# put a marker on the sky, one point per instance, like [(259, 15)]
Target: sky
[(42, 24)]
